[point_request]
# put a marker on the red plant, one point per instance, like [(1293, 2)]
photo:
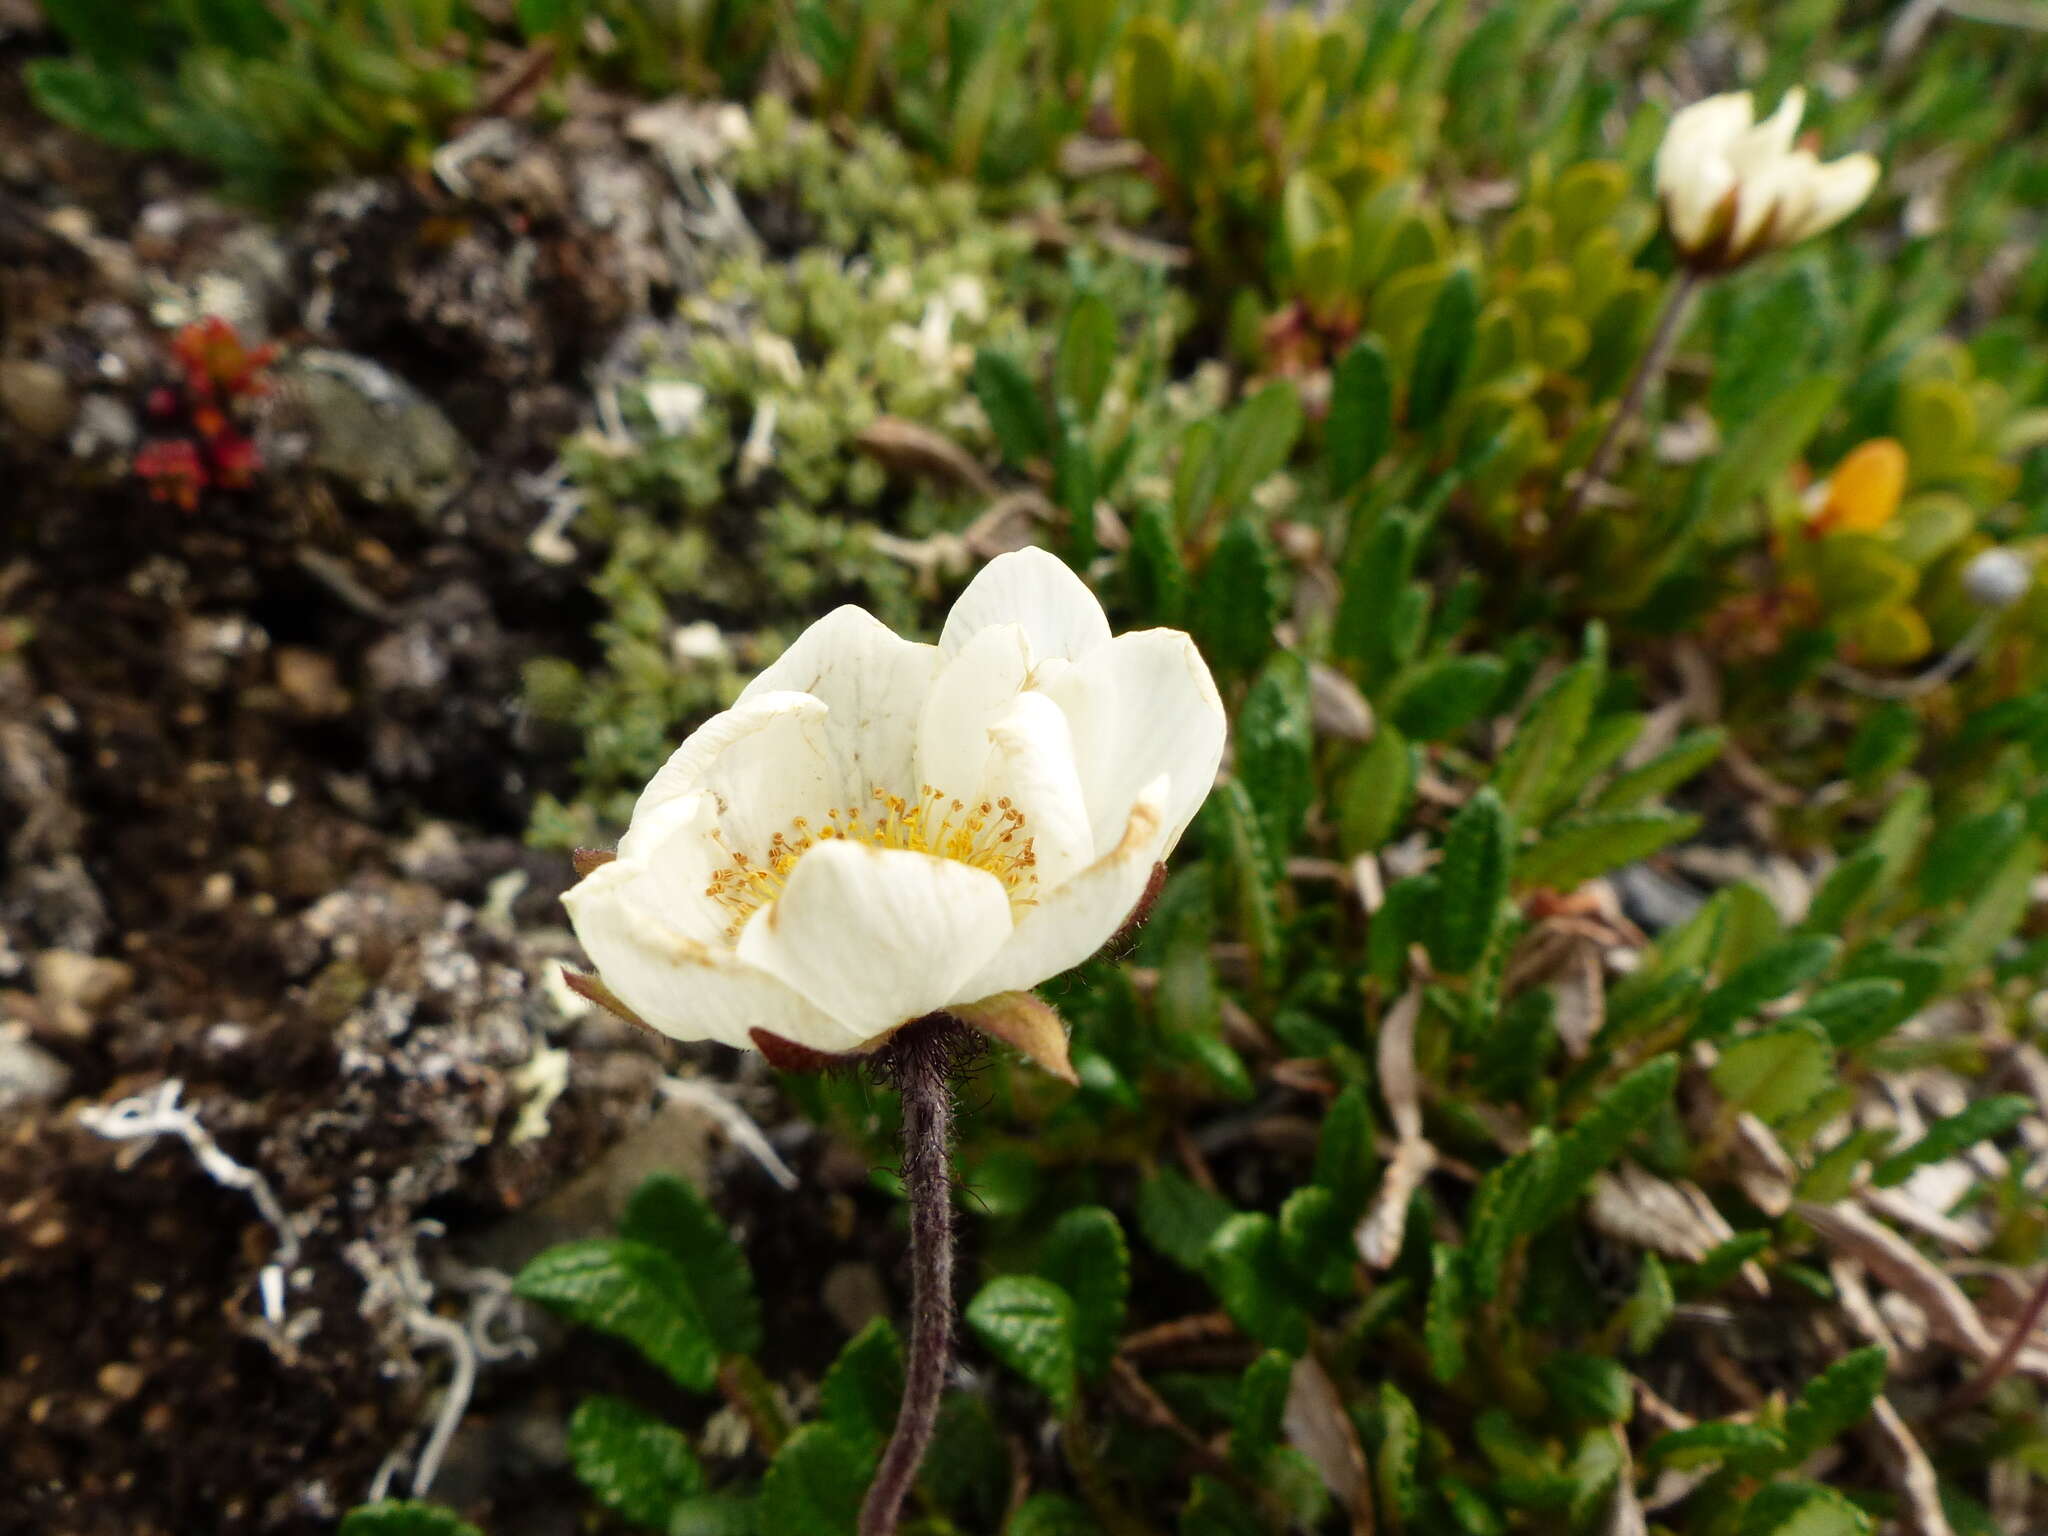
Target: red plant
[(217, 372)]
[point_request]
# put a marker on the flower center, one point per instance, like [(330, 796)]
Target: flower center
[(988, 835)]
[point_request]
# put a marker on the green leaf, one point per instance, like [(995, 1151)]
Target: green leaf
[(1074, 488), (1994, 914), (1834, 1401), (1051, 1514), (1784, 966), (1776, 1072), (1717, 1440), (1801, 1509), (1373, 797), (1246, 1266), (815, 1485), (1235, 602), (1179, 1217), (1663, 773), (1154, 570), (1887, 741), (714, 1514), (1257, 439), (634, 1292), (1011, 404), (1445, 695), (102, 105), (1766, 446), (863, 1390), (1214, 1509), (1963, 856), (1402, 920), (539, 17), (1028, 1323), (405, 1517), (1394, 1457), (1346, 1163), (1086, 1256), (636, 1466), (1588, 1389), (1361, 421), (1316, 1238), (1848, 887), (1547, 738), (1445, 350), (1255, 866), (1652, 1305), (1859, 1010), (1581, 848), (1953, 1134), (1443, 1322), (666, 1212), (1472, 881), (1275, 740), (1086, 355), (1608, 738), (1261, 1400), (1598, 1139), (1376, 568)]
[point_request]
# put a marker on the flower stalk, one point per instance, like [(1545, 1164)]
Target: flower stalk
[(920, 1061), (1670, 324)]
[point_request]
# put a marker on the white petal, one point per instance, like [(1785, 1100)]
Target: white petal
[(1033, 768), (1834, 191), (672, 846), (1698, 133), (1693, 205), (1035, 589), (1768, 197), (1141, 707), (873, 681), (683, 988), (972, 691), (1085, 913), (878, 936), (687, 767), (1770, 139)]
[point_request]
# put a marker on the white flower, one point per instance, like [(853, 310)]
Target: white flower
[(1997, 578), (1734, 188), (879, 829)]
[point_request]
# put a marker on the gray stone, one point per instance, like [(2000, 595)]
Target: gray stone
[(36, 398), (29, 1075), (367, 427)]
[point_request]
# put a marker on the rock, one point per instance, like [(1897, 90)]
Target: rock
[(310, 683), (73, 987), (36, 398), (370, 429), (106, 429), (29, 1075), (855, 1296)]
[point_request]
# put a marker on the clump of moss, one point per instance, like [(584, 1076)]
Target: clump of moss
[(733, 491)]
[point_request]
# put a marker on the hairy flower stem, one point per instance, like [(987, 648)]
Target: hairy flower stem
[(1651, 364), (1978, 1387), (920, 1062)]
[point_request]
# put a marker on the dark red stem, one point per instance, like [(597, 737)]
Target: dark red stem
[(920, 1061), (1979, 1386)]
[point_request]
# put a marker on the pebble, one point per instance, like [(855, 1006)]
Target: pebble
[(36, 398), (72, 987), (29, 1075)]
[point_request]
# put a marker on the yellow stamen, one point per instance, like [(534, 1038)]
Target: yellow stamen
[(988, 836)]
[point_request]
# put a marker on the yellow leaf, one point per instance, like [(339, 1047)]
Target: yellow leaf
[(1864, 493)]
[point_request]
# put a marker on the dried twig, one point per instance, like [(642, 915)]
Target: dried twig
[(159, 1113), (737, 1124)]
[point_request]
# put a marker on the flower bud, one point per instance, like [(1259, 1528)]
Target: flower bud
[(1997, 578), (1734, 188)]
